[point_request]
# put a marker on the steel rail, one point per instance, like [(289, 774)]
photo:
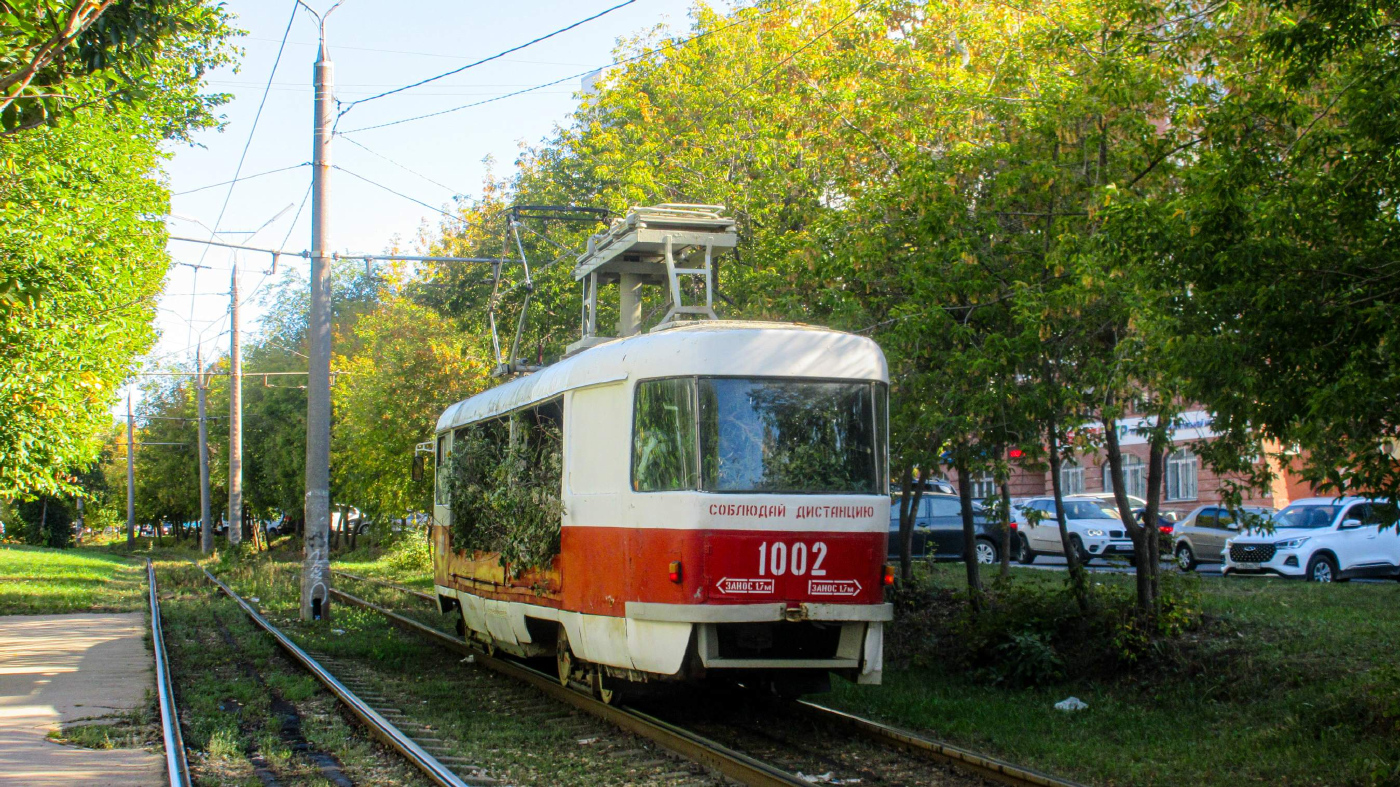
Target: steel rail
[(435, 771), (176, 766), (402, 589), (732, 764), (979, 764)]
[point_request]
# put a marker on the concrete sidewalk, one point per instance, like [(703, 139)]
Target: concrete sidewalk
[(61, 669)]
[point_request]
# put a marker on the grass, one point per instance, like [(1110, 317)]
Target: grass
[(41, 581), (406, 562), (135, 729), (1285, 683)]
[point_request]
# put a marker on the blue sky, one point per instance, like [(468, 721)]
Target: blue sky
[(376, 46)]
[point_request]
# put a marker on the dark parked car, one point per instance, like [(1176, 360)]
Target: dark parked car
[(938, 530)]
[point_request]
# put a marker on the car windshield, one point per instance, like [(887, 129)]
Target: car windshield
[(1306, 516), (1076, 509)]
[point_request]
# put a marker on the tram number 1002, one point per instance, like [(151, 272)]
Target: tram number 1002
[(776, 560)]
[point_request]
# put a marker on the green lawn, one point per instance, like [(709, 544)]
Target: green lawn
[(1287, 683), (407, 563), (40, 581)]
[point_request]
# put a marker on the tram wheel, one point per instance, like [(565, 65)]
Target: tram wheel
[(564, 657), (606, 690), (461, 626)]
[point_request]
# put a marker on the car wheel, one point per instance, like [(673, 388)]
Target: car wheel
[(1185, 558), (1322, 569), (1079, 551), (1025, 555), (986, 552)]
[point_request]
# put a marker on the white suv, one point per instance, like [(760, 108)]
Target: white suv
[(1093, 530), (1324, 539)]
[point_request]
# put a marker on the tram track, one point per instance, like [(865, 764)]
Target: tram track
[(436, 772), (384, 702), (778, 747), (177, 766)]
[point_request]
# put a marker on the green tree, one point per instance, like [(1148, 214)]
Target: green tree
[(81, 242), (60, 58), (409, 364), (1279, 241)]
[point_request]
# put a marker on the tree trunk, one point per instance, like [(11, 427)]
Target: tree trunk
[(906, 524), (1140, 534), (1078, 579), (909, 497), (974, 579), (1005, 529), (1155, 462)]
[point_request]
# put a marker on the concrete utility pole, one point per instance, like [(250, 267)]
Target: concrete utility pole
[(235, 420), (206, 524), (130, 476), (315, 573)]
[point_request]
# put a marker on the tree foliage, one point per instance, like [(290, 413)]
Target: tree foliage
[(81, 242)]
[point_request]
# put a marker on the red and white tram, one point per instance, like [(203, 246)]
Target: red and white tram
[(722, 487), (725, 509)]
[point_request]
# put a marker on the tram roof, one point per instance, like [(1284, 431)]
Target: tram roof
[(710, 347)]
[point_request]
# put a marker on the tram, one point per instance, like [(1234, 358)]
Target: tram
[(723, 508)]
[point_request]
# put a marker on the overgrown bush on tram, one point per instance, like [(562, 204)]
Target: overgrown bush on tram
[(504, 478)]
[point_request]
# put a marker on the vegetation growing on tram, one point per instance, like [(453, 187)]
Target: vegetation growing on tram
[(503, 481)]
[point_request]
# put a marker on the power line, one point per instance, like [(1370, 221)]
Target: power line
[(419, 54), (398, 193), (237, 179), (581, 74), (496, 56), (400, 166), (247, 144)]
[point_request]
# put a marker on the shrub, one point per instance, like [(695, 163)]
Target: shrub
[(1029, 634), (410, 554), (505, 493)]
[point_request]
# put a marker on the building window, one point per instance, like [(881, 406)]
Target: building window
[(1071, 477), (1134, 476), (984, 486), (1181, 476)]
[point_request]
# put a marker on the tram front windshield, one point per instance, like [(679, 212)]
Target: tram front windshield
[(759, 436)]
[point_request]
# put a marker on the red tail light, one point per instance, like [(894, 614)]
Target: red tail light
[(889, 576), (675, 571)]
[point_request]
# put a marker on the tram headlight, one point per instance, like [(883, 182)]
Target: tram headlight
[(675, 572)]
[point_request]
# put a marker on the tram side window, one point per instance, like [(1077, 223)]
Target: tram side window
[(664, 452), (541, 430), (506, 487), (440, 469)]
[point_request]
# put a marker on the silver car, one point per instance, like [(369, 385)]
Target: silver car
[(1201, 536)]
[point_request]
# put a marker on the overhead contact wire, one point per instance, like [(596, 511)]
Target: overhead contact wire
[(484, 60), (624, 61)]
